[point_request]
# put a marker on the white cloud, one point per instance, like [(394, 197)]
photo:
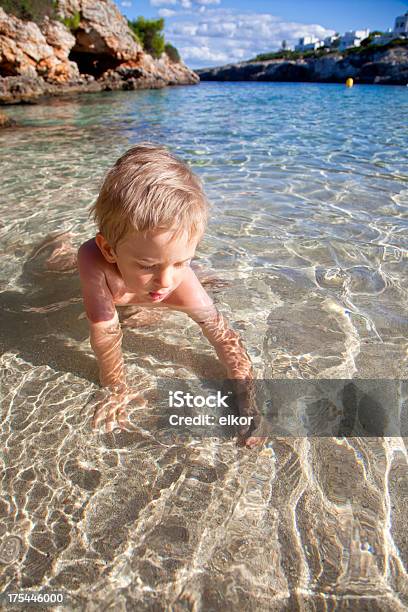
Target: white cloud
[(227, 35), (196, 5), (203, 53), (126, 3), (166, 12), (184, 30), (162, 2)]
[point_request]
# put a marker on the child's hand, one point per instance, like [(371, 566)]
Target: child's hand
[(112, 408), (255, 433)]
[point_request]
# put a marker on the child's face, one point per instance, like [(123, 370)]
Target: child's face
[(152, 266)]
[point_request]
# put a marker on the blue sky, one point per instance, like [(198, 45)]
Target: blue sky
[(216, 32)]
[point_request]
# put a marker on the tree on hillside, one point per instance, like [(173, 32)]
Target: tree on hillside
[(150, 34), (172, 52)]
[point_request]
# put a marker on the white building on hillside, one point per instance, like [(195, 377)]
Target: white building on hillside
[(309, 43), (330, 40), (401, 25), (352, 38), (355, 37)]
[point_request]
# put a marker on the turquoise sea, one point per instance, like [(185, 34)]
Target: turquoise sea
[(306, 255)]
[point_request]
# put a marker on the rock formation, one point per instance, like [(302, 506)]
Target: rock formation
[(383, 66), (100, 53), (6, 121)]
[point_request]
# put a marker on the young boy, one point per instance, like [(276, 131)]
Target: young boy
[(151, 214)]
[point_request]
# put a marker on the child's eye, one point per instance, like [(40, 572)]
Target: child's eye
[(146, 267), (182, 264)]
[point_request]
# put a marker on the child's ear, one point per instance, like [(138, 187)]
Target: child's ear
[(105, 248)]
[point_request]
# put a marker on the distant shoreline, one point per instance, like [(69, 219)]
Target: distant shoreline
[(382, 66)]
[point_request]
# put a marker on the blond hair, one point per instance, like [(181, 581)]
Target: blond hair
[(150, 188)]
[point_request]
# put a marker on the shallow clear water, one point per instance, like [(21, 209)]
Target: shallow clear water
[(308, 243)]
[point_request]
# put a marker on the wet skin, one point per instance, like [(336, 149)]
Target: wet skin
[(151, 270)]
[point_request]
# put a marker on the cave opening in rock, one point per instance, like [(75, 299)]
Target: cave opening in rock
[(91, 63), (7, 69)]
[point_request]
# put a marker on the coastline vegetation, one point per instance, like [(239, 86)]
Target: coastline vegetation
[(31, 10), (172, 53), (369, 48), (149, 33), (72, 23)]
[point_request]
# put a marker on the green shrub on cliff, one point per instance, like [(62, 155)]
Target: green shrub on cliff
[(30, 10), (367, 49), (287, 55), (149, 33), (263, 57), (36, 10), (72, 23), (172, 52)]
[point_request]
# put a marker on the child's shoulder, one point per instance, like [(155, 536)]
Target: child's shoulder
[(89, 250), (96, 292), (90, 258), (92, 265)]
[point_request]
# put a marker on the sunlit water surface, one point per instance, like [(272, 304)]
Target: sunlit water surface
[(308, 246)]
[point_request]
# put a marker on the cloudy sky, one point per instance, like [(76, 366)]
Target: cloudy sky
[(216, 32)]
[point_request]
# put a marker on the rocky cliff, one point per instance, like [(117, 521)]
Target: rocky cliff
[(99, 53), (382, 66)]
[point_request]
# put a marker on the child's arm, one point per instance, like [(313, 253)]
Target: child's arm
[(104, 327), (106, 339), (232, 354), (228, 345), (192, 298), (106, 342)]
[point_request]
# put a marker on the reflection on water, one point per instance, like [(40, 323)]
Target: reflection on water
[(306, 255)]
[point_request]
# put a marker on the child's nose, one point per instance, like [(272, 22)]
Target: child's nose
[(164, 278)]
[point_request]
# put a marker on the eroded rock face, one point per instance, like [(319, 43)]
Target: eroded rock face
[(28, 51), (59, 68), (68, 8), (58, 37), (175, 73), (100, 54), (103, 30)]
